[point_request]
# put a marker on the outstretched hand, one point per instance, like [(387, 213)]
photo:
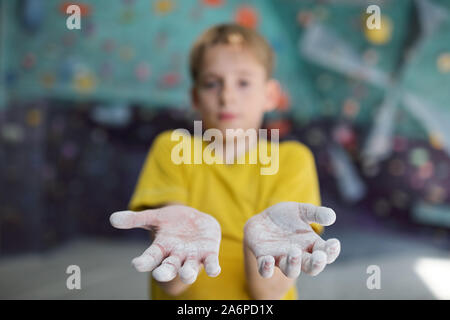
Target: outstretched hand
[(185, 238), (282, 236)]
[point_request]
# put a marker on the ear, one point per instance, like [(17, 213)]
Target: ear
[(273, 95), (194, 98)]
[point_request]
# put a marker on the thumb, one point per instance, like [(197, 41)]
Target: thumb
[(130, 219), (315, 214)]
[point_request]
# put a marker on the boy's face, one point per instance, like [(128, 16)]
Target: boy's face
[(232, 91)]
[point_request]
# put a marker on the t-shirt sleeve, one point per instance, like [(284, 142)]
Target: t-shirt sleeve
[(160, 181), (297, 178)]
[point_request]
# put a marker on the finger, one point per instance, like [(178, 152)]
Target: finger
[(321, 215), (266, 266), (212, 266), (131, 219), (150, 259), (291, 263), (168, 269), (189, 271), (314, 263), (332, 248)]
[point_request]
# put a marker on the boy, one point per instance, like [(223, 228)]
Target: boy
[(221, 230)]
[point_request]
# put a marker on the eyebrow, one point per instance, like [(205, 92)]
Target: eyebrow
[(212, 74)]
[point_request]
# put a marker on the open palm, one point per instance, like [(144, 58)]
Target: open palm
[(282, 236), (185, 238)]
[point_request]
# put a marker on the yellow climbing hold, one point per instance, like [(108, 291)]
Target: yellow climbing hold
[(382, 35), (443, 62), (84, 82), (163, 6)]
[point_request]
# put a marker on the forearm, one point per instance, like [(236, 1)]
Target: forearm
[(260, 288)]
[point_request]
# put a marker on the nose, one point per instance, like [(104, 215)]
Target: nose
[(227, 94)]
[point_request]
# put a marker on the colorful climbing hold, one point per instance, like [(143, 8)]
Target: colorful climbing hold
[(247, 16), (163, 6), (213, 3), (443, 62), (418, 156), (382, 35)]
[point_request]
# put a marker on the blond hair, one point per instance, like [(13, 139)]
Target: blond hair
[(230, 33)]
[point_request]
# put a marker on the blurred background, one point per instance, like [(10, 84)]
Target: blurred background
[(79, 110)]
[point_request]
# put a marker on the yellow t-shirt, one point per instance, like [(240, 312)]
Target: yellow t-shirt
[(231, 193)]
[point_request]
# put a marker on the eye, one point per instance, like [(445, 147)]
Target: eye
[(243, 83), (210, 84)]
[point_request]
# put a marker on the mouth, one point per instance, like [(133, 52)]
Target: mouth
[(226, 116)]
